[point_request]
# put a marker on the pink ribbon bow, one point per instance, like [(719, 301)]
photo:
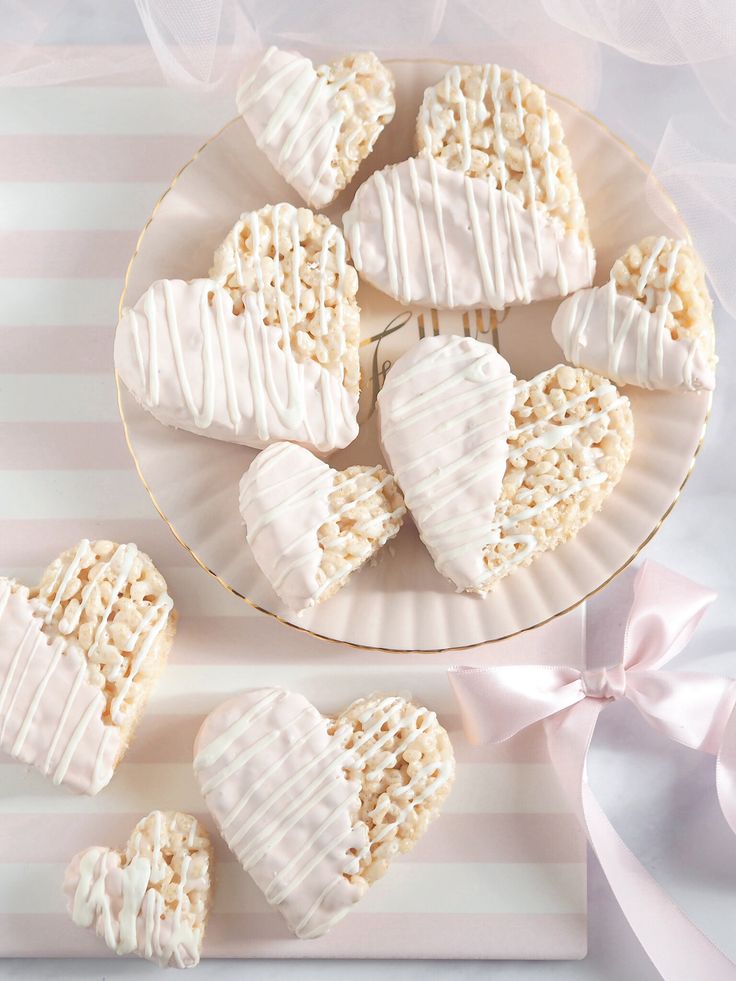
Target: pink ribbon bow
[(693, 709)]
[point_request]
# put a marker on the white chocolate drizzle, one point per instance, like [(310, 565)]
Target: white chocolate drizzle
[(607, 331), (296, 116), (421, 209)]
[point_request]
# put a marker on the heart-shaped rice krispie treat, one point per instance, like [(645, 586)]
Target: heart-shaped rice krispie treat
[(650, 325), (79, 656), (266, 349), (488, 214), (495, 471), (309, 526), (152, 899), (316, 808), (316, 125)]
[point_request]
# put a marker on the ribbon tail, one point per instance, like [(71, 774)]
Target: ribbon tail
[(675, 946), (726, 772)]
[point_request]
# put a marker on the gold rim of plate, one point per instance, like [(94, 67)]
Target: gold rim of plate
[(397, 650)]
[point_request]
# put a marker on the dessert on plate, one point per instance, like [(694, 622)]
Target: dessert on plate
[(265, 349), (488, 213), (309, 526), (316, 125), (651, 324), (79, 656), (316, 808), (152, 899), (496, 470)]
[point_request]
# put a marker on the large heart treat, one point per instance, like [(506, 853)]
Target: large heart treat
[(650, 325), (488, 214), (266, 349), (496, 471), (316, 808), (309, 526), (152, 899), (79, 655), (316, 125)]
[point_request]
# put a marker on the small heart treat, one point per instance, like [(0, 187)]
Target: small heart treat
[(488, 214), (316, 125), (266, 349), (496, 471), (152, 899), (651, 324), (79, 655), (309, 526), (316, 808)]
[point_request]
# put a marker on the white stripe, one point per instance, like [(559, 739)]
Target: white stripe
[(89, 494), (77, 110), (28, 302), (409, 887), (54, 205), (480, 788), (58, 398)]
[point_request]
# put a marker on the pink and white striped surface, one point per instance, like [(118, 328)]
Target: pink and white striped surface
[(502, 874)]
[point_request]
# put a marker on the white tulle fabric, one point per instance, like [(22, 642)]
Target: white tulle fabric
[(580, 48)]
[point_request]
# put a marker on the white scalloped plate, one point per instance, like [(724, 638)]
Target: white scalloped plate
[(401, 603)]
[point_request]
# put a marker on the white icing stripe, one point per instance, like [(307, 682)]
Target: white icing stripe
[(419, 206), (296, 117), (204, 353)]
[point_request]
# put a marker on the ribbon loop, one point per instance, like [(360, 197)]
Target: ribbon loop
[(605, 683)]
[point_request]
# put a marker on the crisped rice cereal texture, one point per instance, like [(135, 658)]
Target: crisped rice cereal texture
[(113, 610), (549, 494), (311, 287), (505, 131), (405, 783), (367, 510), (688, 302)]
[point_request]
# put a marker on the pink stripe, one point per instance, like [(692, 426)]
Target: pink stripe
[(415, 935), (464, 837), (35, 157), (37, 542), (169, 739), (63, 446), (56, 349), (68, 254)]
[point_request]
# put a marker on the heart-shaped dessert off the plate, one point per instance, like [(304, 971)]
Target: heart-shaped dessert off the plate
[(316, 808), (496, 471), (488, 214), (316, 125), (152, 899), (264, 350), (309, 526), (79, 655), (651, 324)]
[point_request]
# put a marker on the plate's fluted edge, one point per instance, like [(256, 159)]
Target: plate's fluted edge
[(391, 650)]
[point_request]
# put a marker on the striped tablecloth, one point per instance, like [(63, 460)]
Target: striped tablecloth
[(502, 874)]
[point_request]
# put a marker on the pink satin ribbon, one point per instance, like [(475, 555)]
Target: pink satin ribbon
[(693, 709)]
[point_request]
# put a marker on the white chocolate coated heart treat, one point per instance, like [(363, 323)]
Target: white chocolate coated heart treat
[(651, 325), (496, 471), (493, 181), (309, 526), (316, 125), (264, 350), (79, 656), (316, 808), (151, 900)]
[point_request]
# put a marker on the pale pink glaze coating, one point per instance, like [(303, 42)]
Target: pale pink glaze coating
[(445, 412), (425, 234), (51, 716), (618, 336), (198, 366), (273, 778), (284, 500)]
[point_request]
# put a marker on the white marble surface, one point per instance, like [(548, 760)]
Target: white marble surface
[(660, 797)]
